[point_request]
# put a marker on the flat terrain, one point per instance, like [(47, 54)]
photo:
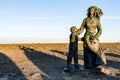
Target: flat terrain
[(46, 61)]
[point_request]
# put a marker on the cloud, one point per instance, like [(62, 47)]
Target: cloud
[(73, 17), (111, 17), (53, 18)]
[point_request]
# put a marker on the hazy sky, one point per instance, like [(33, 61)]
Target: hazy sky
[(50, 20)]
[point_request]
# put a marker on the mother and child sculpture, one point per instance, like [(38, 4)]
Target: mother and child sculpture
[(93, 54)]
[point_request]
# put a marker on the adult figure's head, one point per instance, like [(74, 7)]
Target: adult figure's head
[(94, 11)]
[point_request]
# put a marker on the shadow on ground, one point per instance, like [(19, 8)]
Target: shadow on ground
[(49, 64), (60, 52), (113, 55), (114, 62), (52, 66), (8, 69)]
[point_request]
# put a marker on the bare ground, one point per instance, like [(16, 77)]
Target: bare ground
[(46, 61)]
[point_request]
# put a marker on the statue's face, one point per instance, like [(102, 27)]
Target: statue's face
[(91, 11), (74, 30)]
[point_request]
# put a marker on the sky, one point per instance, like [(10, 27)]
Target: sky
[(49, 21)]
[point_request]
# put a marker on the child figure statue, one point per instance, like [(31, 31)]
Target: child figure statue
[(73, 49)]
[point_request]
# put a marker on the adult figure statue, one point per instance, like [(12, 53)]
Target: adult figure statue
[(93, 54)]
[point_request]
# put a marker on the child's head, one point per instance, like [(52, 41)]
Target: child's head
[(73, 29)]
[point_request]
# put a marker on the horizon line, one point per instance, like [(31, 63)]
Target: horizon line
[(49, 42)]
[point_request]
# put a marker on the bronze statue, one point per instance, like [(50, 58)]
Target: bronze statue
[(93, 54), (73, 50)]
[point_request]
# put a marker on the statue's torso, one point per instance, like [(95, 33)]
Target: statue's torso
[(91, 25)]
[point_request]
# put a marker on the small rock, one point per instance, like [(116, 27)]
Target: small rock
[(36, 76), (113, 74), (64, 53)]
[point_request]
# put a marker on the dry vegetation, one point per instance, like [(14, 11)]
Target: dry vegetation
[(46, 61)]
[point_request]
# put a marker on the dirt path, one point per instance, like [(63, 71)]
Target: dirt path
[(46, 61)]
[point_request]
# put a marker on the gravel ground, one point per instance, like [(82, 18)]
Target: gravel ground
[(46, 62)]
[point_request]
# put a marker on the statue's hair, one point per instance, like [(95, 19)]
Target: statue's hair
[(97, 11)]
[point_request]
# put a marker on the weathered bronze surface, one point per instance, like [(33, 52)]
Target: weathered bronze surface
[(93, 54), (73, 47)]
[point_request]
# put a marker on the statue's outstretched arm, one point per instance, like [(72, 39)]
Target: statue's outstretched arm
[(81, 29)]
